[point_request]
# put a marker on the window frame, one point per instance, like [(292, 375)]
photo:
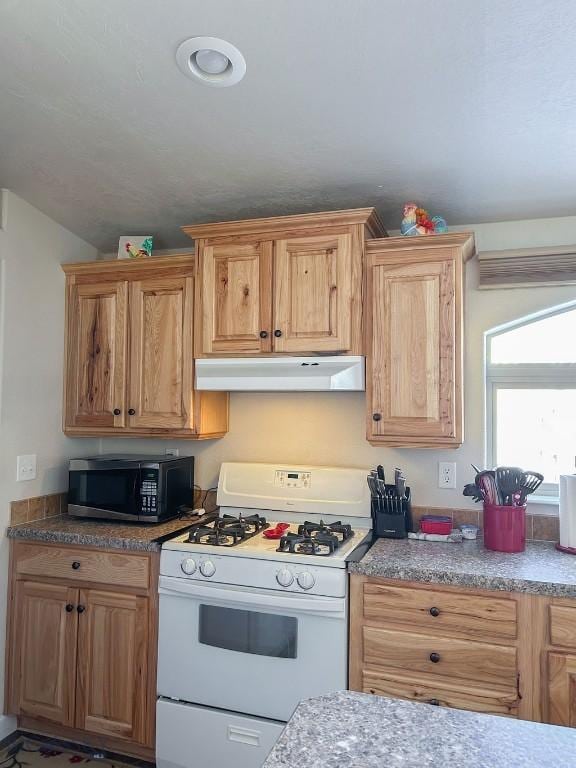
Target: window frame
[(499, 376)]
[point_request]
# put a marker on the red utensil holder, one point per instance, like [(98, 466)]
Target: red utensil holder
[(504, 528)]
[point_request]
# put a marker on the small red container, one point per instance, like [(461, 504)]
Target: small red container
[(504, 528), (436, 524)]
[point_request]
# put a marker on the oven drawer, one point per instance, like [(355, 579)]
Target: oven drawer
[(447, 657), (440, 610), (444, 693), (87, 565)]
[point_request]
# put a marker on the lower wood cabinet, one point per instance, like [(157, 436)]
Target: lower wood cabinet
[(493, 652), (81, 653)]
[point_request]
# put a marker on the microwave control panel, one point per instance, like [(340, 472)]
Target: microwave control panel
[(291, 479), (149, 492)]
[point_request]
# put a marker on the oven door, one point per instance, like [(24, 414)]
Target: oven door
[(254, 651), (108, 491)]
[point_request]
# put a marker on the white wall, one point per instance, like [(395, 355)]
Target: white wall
[(32, 246), (329, 428)]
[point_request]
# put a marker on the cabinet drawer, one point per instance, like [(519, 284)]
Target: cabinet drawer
[(446, 657), (440, 611), (124, 570), (563, 625), (441, 693)]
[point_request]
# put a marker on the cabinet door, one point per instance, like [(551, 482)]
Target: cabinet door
[(161, 357), (96, 355), (235, 302), (562, 689), (112, 675), (43, 651), (312, 294), (415, 367)]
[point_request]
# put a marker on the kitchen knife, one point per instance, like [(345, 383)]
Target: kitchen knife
[(380, 472)]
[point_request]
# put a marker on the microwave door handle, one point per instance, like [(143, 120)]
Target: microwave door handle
[(302, 604)]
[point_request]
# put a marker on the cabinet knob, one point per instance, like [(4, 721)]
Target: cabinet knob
[(131, 411), (76, 565), (277, 333), (434, 702), (376, 416), (263, 334), (69, 607), (81, 608), (434, 611), (434, 657), (117, 411)]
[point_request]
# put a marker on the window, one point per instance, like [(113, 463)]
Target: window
[(531, 395)]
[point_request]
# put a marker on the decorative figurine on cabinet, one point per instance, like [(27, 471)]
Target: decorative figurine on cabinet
[(417, 221)]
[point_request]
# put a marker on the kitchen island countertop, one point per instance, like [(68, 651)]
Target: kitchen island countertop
[(349, 730), (65, 529), (539, 570)]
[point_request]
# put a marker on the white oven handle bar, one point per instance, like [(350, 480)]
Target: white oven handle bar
[(333, 607)]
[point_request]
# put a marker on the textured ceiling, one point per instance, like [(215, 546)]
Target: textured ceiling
[(467, 106)]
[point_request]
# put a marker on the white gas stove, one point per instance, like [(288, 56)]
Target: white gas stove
[(251, 625)]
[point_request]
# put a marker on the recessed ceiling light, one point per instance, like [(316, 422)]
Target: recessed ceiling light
[(211, 61)]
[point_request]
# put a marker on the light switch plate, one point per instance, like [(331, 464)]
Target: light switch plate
[(26, 467)]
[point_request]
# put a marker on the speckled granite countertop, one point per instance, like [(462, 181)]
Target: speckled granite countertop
[(356, 730), (540, 570), (99, 533)]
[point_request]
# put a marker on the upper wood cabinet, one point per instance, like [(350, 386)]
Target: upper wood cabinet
[(414, 340), (284, 285), (129, 352)]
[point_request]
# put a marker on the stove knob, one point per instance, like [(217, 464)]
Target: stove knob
[(306, 580), (207, 568), (188, 566), (284, 577)]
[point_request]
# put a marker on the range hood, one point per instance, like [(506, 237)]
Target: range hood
[(281, 374)]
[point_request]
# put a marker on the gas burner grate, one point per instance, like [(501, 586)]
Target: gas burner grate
[(342, 532), (303, 544), (228, 531)]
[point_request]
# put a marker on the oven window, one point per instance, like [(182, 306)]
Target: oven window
[(264, 634)]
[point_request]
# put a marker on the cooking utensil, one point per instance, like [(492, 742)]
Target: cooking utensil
[(529, 482), (508, 481), (472, 490), (475, 468), (380, 472), (486, 482)]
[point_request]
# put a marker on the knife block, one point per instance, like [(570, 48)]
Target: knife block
[(392, 515)]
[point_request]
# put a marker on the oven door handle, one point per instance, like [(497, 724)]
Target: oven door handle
[(334, 607)]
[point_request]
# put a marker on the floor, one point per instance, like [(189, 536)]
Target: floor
[(23, 750)]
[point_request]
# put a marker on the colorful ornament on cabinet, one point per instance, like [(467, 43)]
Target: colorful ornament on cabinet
[(417, 221)]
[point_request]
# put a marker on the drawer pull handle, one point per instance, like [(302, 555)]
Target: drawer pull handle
[(131, 412), (117, 411), (69, 607), (263, 334), (277, 333), (76, 565), (434, 657), (434, 702), (81, 608), (376, 416), (434, 611)]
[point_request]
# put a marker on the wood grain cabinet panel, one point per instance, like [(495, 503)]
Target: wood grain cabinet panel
[(234, 293), (563, 625), (313, 293), (43, 647), (161, 353), (130, 352), (96, 354), (562, 689), (442, 692), (414, 334), (112, 673), (441, 611), (450, 658)]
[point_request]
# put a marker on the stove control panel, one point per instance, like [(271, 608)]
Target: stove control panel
[(285, 478)]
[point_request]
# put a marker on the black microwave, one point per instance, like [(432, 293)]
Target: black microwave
[(147, 489)]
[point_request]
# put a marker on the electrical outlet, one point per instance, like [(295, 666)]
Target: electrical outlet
[(446, 474), (26, 467), (172, 452)]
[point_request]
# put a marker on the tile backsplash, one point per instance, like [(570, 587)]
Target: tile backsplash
[(538, 527), (37, 508)]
